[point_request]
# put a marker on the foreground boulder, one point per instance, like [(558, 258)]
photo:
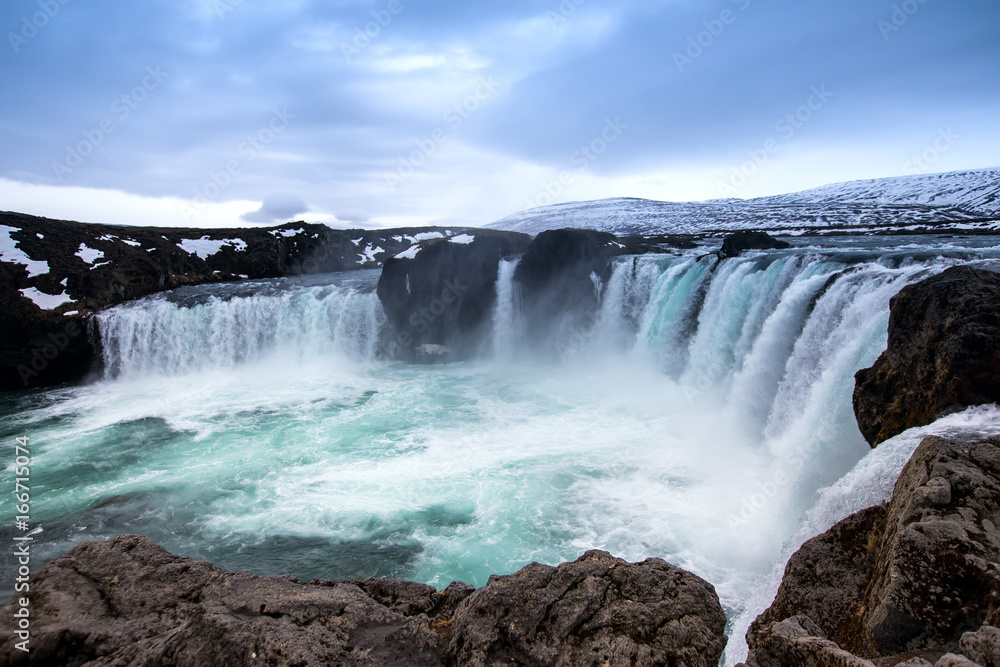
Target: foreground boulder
[(943, 354), (439, 295), (127, 601), (598, 610), (916, 579), (736, 244)]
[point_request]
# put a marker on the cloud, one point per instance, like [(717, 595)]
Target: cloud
[(565, 66), (277, 208)]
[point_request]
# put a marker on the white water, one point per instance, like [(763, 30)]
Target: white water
[(696, 419)]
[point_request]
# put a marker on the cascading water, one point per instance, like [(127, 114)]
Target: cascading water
[(697, 417), (170, 336)]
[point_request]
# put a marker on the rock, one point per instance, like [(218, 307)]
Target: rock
[(735, 244), (930, 575), (799, 641), (943, 354), (982, 646), (127, 601), (826, 578), (598, 610), (95, 266), (439, 295), (560, 275)]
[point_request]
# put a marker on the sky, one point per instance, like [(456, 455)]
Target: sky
[(355, 113)]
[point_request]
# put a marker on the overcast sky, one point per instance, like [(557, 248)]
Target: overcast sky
[(393, 112)]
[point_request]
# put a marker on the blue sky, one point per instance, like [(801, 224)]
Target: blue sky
[(398, 112)]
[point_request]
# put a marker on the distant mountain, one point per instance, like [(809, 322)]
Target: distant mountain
[(957, 201)]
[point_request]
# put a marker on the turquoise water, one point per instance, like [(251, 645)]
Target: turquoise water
[(259, 426)]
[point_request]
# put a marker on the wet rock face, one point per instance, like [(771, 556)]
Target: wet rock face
[(598, 610), (560, 275), (915, 579), (943, 354), (735, 244), (439, 296), (127, 601)]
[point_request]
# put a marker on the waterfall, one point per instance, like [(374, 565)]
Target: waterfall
[(159, 335), (506, 332)]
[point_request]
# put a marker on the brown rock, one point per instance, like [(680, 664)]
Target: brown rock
[(943, 354), (598, 610), (127, 601), (899, 582)]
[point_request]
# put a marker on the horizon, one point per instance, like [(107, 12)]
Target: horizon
[(219, 113)]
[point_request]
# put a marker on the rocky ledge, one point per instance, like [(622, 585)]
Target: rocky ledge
[(53, 273), (127, 601), (913, 582), (943, 354)]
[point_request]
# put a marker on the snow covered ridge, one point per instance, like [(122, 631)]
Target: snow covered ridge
[(958, 201)]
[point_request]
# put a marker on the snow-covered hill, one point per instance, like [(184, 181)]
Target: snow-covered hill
[(940, 202)]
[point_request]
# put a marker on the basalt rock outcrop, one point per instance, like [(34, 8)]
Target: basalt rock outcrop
[(127, 601), (917, 579), (53, 273), (439, 295), (943, 354), (598, 610), (736, 244), (560, 276)]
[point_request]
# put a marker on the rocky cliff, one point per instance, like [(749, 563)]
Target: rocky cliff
[(916, 579), (943, 354), (54, 272), (127, 601)]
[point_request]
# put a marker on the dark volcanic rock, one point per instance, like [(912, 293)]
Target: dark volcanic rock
[(559, 275), (943, 354), (735, 244), (826, 578), (906, 581), (127, 601), (92, 267), (598, 610), (439, 296)]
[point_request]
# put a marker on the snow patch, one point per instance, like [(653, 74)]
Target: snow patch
[(426, 236), (409, 253), (206, 247), (45, 301), (134, 244), (463, 239), (9, 252), (369, 253), (89, 255), (286, 233)]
